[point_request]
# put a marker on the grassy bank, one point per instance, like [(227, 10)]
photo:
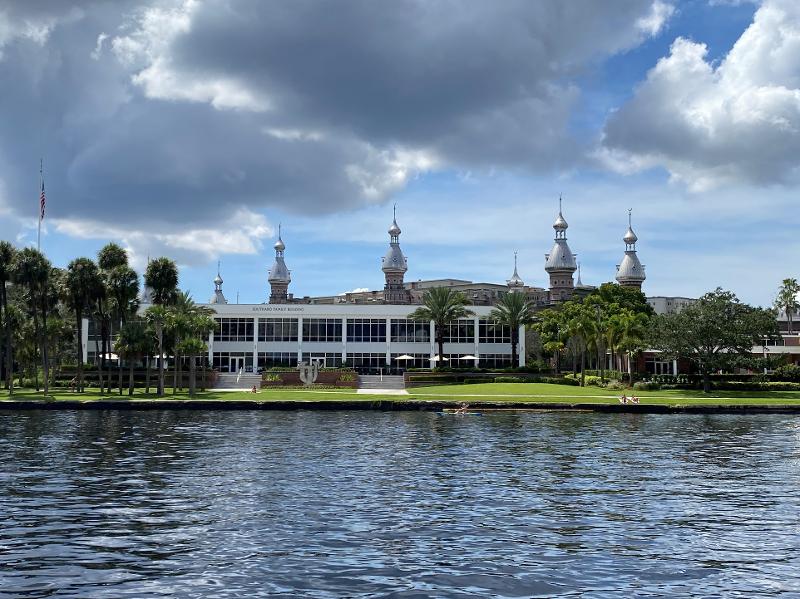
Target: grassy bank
[(511, 393)]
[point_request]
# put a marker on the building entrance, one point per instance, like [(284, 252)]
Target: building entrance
[(236, 364)]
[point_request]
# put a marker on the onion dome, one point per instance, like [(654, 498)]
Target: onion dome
[(218, 297), (394, 261), (630, 271), (279, 273), (560, 257), (515, 282)]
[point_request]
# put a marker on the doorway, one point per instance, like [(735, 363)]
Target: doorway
[(236, 364)]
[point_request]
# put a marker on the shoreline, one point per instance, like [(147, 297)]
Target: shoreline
[(389, 405)]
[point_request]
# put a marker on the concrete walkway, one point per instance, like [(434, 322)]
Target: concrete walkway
[(381, 392)]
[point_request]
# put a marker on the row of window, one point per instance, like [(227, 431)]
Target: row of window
[(359, 330)]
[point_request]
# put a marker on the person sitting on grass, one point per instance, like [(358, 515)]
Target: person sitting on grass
[(623, 399), (254, 390)]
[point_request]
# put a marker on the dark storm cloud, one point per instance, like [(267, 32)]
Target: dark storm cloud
[(188, 110)]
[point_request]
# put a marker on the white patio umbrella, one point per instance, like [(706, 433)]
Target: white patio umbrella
[(405, 357), (436, 359), (468, 357)]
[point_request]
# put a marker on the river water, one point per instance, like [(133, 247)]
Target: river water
[(368, 504)]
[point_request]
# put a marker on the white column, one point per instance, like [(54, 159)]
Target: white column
[(85, 340), (344, 339), (211, 348), (477, 354), (433, 343), (255, 344), (299, 339), (521, 346), (675, 367), (389, 342)]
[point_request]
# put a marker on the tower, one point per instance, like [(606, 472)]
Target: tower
[(560, 262), (515, 283), (394, 267), (279, 277), (630, 272), (218, 297)]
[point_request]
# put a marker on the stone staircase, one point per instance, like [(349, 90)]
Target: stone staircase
[(378, 382), (227, 380)]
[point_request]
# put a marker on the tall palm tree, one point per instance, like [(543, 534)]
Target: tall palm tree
[(133, 342), (32, 270), (787, 300), (180, 314), (7, 253), (514, 310), (442, 306), (80, 285), (123, 287), (110, 257), (198, 325), (162, 278), (158, 318), (633, 332)]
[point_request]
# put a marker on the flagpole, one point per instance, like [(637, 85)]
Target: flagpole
[(39, 205)]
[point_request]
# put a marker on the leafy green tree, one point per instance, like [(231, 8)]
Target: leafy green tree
[(514, 310), (787, 300), (80, 286), (629, 298), (162, 278), (713, 332), (7, 254), (198, 325), (32, 270)]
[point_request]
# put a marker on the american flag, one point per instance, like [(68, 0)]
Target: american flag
[(42, 203)]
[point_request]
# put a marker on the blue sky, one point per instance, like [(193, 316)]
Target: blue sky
[(191, 128)]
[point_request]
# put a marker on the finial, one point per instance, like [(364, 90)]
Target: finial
[(394, 211), (515, 260), (629, 216), (279, 230), (219, 267), (559, 203)]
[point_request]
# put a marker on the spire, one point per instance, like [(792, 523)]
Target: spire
[(515, 282), (579, 283), (630, 272), (560, 225), (279, 277), (394, 266), (218, 297)]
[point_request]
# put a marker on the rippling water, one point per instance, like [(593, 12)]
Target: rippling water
[(370, 504)]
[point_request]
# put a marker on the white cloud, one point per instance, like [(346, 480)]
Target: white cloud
[(241, 234), (713, 124), (660, 13)]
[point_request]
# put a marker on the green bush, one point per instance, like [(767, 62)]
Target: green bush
[(272, 377), (756, 386), (347, 377), (646, 386), (615, 385), (787, 372), (510, 379)]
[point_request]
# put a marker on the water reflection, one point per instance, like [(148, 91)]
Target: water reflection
[(306, 504)]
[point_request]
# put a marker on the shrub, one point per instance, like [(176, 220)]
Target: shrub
[(272, 377), (554, 380), (347, 377), (787, 372), (646, 386), (615, 385), (510, 379)]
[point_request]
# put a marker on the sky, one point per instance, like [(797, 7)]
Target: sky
[(192, 128)]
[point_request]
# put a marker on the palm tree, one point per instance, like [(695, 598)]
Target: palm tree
[(80, 286), (162, 278), (32, 270), (132, 343), (7, 253), (442, 306), (787, 300), (633, 331), (158, 318), (123, 287), (198, 326), (180, 313), (110, 257), (514, 310)]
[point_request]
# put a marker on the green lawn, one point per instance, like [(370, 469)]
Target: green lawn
[(484, 392), (546, 393)]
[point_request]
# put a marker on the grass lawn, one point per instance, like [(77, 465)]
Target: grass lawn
[(546, 393), (491, 392)]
